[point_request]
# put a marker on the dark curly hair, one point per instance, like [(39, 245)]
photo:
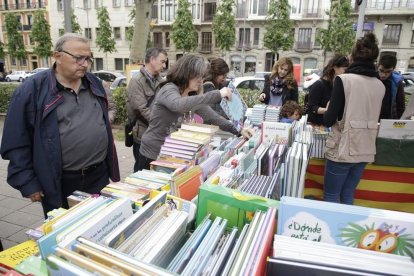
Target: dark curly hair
[(289, 108), (217, 67), (366, 48)]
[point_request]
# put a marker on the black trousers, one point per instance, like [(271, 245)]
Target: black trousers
[(93, 181), (144, 163)]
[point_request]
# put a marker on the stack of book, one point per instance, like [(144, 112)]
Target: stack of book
[(151, 180), (186, 184), (301, 257), (135, 193), (272, 113), (320, 134), (258, 114), (264, 186)]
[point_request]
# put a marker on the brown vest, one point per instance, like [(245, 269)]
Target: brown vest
[(352, 139)]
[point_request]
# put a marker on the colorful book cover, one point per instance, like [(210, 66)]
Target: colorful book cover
[(280, 132), (234, 109), (191, 136), (354, 226), (16, 254), (170, 140)]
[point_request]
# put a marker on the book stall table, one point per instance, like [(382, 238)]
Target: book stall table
[(384, 187)]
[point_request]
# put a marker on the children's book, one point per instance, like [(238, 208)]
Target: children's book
[(236, 108), (191, 136), (204, 128), (347, 225)]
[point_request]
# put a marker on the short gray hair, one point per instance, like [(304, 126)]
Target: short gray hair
[(154, 52), (69, 37)]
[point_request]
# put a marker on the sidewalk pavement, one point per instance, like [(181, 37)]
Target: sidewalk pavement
[(18, 214)]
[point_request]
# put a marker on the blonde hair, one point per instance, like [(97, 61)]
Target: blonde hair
[(290, 77)]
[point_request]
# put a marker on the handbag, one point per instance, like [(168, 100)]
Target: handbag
[(129, 138)]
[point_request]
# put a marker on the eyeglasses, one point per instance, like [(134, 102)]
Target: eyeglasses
[(79, 59)]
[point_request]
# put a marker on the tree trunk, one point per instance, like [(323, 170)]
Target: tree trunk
[(106, 55), (141, 30)]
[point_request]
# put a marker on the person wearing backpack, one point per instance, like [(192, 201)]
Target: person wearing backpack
[(141, 91)]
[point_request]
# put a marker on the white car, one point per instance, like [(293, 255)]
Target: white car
[(107, 75), (249, 82), (37, 70), (19, 76), (118, 82)]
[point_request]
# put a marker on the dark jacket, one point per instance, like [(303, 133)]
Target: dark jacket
[(393, 104), (287, 94), (319, 95), (31, 139)]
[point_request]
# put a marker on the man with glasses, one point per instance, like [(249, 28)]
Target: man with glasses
[(140, 94), (393, 104), (57, 134)]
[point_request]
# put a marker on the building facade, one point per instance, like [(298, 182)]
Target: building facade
[(391, 21)]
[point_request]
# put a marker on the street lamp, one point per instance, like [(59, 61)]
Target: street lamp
[(87, 19)]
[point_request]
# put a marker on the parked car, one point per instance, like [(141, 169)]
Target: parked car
[(37, 70), (249, 82), (107, 75), (118, 82), (408, 84), (408, 74), (19, 76), (261, 74)]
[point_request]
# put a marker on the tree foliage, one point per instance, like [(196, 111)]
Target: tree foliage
[(224, 26), (183, 30), (15, 44), (104, 39), (131, 19), (1, 49), (279, 35), (41, 35), (339, 37), (76, 28)]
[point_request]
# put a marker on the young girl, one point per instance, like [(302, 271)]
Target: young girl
[(173, 101), (291, 111), (280, 85)]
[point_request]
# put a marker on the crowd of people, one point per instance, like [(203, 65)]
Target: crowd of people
[(58, 139)]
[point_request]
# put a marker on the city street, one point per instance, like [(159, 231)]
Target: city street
[(18, 214)]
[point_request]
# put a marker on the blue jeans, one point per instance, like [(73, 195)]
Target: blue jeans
[(341, 180)]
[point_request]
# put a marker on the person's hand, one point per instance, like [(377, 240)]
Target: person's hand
[(262, 97), (247, 133), (36, 197), (225, 93)]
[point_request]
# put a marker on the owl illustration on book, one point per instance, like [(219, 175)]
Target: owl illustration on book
[(386, 238)]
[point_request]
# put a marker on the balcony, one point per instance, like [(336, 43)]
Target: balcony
[(312, 14), (205, 48), (247, 46), (303, 46), (23, 6)]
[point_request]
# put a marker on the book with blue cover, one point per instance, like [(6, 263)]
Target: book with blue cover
[(234, 109), (347, 225)]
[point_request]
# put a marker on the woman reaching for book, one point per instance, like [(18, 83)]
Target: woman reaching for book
[(184, 79)]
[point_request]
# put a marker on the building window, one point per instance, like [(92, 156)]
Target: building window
[(241, 9), (98, 4), (116, 3), (316, 43), (154, 11), (296, 7), (178, 56), (244, 38), (411, 64), (259, 7), (309, 65), (250, 64), (269, 61), (304, 38), (295, 60), (256, 36), (206, 41), (29, 20), (97, 31), (412, 37), (391, 34), (168, 8), (13, 61), (312, 10), (117, 33), (195, 8), (98, 62), (167, 39), (23, 62), (157, 40), (86, 4), (119, 64), (235, 64), (129, 3), (88, 33), (126, 62), (209, 11)]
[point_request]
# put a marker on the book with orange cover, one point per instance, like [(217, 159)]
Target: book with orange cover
[(187, 184)]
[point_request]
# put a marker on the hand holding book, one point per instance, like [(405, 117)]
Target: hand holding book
[(226, 93), (247, 133)]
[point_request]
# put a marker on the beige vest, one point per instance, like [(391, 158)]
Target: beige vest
[(352, 139)]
